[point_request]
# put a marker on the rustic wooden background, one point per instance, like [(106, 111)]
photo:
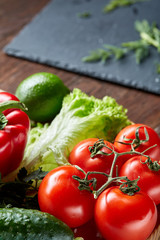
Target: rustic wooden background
[(14, 14)]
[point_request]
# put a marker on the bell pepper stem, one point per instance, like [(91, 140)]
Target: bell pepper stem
[(9, 105), (12, 104)]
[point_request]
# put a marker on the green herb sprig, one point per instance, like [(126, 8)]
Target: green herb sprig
[(23, 191), (84, 15), (149, 37), (140, 49), (149, 33), (97, 55), (117, 52), (113, 4), (158, 68), (103, 55)]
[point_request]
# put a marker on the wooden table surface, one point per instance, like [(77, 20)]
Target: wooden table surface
[(142, 107)]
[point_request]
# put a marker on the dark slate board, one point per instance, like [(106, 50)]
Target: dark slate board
[(59, 38)]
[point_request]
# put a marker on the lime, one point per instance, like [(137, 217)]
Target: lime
[(42, 93)]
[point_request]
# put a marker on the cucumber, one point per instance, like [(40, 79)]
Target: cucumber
[(27, 224)]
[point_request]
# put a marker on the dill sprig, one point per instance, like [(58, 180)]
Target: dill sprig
[(149, 37), (103, 55), (84, 15), (113, 4), (158, 68), (117, 52), (140, 49), (97, 55), (149, 33)]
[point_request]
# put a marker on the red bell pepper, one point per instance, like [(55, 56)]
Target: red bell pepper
[(14, 127)]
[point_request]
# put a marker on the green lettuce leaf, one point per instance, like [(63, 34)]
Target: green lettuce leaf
[(81, 117)]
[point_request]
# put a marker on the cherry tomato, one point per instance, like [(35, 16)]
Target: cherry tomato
[(129, 132), (123, 217), (59, 195), (149, 181), (81, 156)]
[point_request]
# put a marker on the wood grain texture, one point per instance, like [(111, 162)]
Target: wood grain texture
[(156, 234), (14, 14)]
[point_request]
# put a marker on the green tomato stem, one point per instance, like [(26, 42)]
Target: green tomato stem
[(127, 186)]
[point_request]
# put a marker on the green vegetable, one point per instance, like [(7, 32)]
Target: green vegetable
[(113, 4), (140, 49), (103, 55), (158, 68), (149, 36), (97, 55), (81, 117), (116, 51), (149, 33), (84, 15), (20, 224), (23, 191), (35, 134)]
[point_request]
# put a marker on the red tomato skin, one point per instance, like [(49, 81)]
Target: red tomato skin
[(122, 217), (81, 156), (129, 132), (59, 195), (149, 181)]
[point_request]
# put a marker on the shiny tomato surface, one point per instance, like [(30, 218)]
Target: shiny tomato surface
[(149, 181), (129, 133), (81, 156), (123, 217), (59, 195)]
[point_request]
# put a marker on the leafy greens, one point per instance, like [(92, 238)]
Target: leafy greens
[(81, 117), (23, 191)]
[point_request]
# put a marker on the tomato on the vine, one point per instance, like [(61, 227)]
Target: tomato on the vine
[(59, 195), (149, 181), (128, 134), (123, 217), (81, 156)]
